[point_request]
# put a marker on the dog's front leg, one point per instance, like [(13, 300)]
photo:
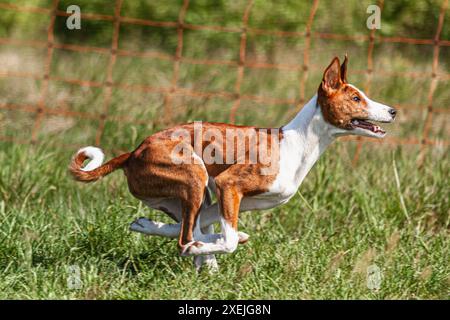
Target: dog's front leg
[(208, 228), (209, 260)]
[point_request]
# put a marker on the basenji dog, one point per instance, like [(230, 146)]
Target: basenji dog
[(246, 167)]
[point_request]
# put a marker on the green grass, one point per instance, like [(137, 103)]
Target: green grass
[(318, 246)]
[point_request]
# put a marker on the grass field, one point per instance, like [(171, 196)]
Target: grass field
[(386, 211), (319, 245)]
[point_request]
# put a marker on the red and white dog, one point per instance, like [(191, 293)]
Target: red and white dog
[(182, 188)]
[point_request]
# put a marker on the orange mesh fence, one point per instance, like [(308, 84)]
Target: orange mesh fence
[(40, 108)]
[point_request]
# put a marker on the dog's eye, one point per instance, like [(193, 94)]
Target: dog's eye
[(356, 98)]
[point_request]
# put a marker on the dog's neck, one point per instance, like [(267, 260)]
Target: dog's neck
[(308, 135)]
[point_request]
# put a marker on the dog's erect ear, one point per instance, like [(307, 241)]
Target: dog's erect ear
[(332, 76), (344, 69)]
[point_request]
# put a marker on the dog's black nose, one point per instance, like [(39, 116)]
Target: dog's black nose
[(393, 112)]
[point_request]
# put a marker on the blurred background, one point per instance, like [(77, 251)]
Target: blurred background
[(115, 81)]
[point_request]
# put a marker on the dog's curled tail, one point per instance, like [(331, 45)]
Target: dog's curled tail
[(94, 170)]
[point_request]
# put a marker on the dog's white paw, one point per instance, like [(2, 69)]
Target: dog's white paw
[(243, 237), (193, 248), (143, 225)]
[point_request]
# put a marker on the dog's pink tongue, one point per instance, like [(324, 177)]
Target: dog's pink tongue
[(367, 125)]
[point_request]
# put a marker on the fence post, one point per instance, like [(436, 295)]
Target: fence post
[(241, 64), (433, 84), (41, 108), (107, 86), (168, 98), (305, 66)]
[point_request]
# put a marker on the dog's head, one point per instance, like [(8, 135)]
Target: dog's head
[(347, 108)]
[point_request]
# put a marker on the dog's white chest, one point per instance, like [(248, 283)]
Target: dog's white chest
[(297, 156), (287, 181)]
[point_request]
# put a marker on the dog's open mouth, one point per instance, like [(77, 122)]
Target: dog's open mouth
[(366, 125)]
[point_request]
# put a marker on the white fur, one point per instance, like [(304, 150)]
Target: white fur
[(377, 111), (95, 154), (227, 242), (172, 230), (210, 259), (305, 138), (146, 226)]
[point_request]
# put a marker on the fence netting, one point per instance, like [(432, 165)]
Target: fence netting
[(40, 109)]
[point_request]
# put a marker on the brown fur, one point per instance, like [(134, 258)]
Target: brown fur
[(335, 97), (151, 173), (94, 175)]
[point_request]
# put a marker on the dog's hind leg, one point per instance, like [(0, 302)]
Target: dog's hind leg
[(208, 216), (154, 228), (171, 207)]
